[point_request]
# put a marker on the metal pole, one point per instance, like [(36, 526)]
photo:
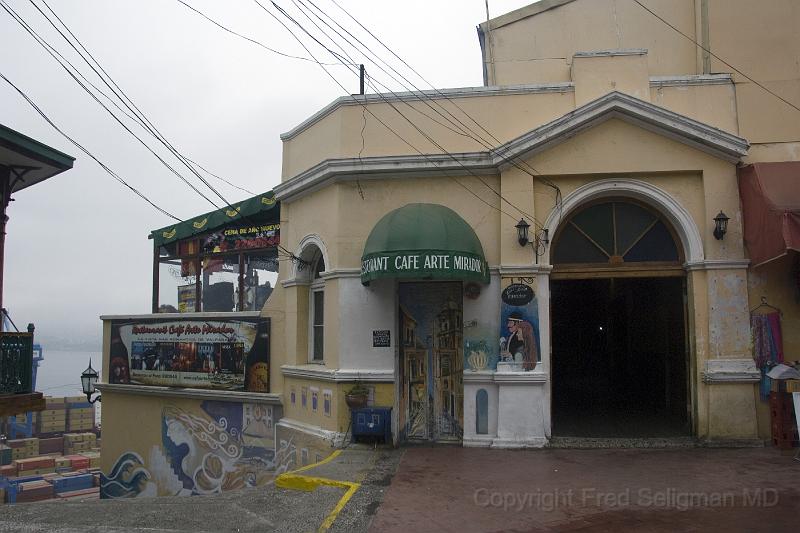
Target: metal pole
[(156, 280), (5, 177), (361, 78)]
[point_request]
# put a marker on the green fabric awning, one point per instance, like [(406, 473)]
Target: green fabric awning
[(423, 241), (262, 207)]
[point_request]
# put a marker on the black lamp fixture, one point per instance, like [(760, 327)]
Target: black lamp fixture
[(522, 232), (720, 225), (88, 380)]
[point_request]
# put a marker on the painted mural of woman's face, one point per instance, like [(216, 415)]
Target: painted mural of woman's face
[(512, 326)]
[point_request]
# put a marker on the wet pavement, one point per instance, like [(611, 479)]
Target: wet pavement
[(694, 489)]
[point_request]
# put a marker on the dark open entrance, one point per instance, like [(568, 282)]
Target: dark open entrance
[(619, 357)]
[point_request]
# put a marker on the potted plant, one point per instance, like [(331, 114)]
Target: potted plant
[(356, 397)]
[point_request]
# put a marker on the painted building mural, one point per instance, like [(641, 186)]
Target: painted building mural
[(519, 325), (432, 395), (215, 447)]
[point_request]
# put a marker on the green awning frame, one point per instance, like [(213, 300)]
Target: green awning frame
[(264, 206), (423, 241)]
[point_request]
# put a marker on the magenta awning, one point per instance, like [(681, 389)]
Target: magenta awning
[(770, 195)]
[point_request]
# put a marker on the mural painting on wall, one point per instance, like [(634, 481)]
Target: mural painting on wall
[(212, 354), (296, 449), (220, 446), (519, 325), (432, 395)]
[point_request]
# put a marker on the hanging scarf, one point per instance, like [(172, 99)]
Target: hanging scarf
[(767, 346)]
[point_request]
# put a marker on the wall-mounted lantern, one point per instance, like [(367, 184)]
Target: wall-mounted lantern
[(88, 380), (522, 232), (720, 225)]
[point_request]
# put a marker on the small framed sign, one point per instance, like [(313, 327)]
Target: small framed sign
[(381, 338)]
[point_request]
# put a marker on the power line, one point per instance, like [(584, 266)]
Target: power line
[(759, 84), (48, 48), (535, 174), (123, 97), (125, 112), (370, 111), (481, 141), (254, 41), (85, 151)]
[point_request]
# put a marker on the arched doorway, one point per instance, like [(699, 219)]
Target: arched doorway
[(618, 311)]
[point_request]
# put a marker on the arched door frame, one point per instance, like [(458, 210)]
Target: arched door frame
[(663, 203)]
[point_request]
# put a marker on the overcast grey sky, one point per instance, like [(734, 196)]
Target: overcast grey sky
[(77, 244)]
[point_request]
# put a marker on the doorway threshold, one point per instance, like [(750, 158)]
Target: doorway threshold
[(623, 442)]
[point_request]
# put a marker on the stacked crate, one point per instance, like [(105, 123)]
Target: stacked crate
[(35, 466), (80, 414), (23, 448), (94, 458), (78, 462), (63, 464), (77, 443), (34, 491), (73, 481), (51, 445), (784, 424), (53, 419), (5, 455)]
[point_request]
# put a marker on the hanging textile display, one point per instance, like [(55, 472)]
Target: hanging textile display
[(767, 346)]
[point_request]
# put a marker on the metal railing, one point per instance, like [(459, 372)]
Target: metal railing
[(16, 363)]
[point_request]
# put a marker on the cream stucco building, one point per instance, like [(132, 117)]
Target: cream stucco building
[(618, 141), (586, 104)]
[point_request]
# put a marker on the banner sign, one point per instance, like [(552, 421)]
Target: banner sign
[(212, 354), (242, 237), (422, 264)]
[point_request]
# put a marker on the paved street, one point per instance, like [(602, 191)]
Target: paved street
[(460, 489), (696, 489), (262, 509)]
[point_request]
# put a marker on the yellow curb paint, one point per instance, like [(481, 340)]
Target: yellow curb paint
[(293, 481), (328, 459)]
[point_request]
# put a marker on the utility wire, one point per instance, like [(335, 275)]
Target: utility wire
[(127, 113), (369, 110), (441, 94), (47, 48), (415, 126), (85, 151), (715, 56), (480, 139), (254, 41), (123, 97)]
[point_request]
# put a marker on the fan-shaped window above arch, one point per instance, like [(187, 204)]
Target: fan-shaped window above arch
[(615, 233)]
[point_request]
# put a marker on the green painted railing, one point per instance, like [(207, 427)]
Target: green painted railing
[(16, 363)]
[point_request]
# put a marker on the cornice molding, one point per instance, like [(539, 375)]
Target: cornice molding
[(416, 96), (718, 264), (198, 394), (692, 79), (731, 371), (321, 373), (614, 105)]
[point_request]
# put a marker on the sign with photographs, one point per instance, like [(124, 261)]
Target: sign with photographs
[(191, 352)]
